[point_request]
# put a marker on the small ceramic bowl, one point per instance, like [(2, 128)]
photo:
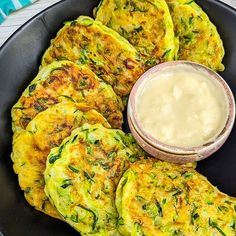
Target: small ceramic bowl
[(177, 154)]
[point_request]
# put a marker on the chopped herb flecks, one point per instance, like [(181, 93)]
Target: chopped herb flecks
[(52, 159), (66, 183), (215, 225), (32, 88), (88, 176), (72, 168)]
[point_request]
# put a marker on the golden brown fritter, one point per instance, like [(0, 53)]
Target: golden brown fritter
[(146, 24), (82, 174), (104, 51), (199, 40), (66, 81), (32, 146), (160, 198)]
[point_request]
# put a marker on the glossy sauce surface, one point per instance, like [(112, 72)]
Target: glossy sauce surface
[(182, 106)]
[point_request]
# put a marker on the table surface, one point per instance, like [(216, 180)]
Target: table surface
[(15, 20)]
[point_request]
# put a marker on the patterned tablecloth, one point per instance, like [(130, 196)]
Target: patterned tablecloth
[(15, 20)]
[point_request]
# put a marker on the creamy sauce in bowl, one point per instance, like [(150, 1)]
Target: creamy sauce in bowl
[(182, 106)]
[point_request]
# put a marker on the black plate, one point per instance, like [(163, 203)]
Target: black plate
[(19, 62)]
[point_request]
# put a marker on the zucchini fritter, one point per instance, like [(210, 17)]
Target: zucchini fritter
[(146, 24), (198, 37), (82, 175), (32, 146), (66, 81), (90, 43), (159, 198)]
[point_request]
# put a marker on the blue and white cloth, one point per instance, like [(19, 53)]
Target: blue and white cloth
[(9, 6)]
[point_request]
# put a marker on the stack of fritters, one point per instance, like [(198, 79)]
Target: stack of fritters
[(66, 81), (110, 56), (72, 164), (82, 63), (183, 31), (32, 146), (145, 24)]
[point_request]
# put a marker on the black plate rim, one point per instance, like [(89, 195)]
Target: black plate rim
[(217, 3)]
